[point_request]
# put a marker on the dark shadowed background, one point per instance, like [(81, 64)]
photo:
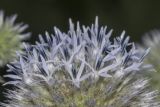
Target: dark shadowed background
[(135, 16)]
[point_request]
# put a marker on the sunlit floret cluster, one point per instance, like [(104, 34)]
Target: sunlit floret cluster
[(80, 68), (11, 36)]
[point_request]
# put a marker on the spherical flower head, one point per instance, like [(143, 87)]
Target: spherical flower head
[(152, 40), (11, 36), (80, 68)]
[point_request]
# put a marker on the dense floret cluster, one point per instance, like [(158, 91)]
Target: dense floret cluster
[(80, 68)]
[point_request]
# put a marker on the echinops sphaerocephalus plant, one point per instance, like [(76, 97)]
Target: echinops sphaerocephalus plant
[(152, 40), (11, 37), (80, 68)]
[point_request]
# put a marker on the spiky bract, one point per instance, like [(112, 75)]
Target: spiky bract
[(81, 68), (11, 36)]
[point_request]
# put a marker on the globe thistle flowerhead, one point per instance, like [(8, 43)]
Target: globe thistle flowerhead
[(80, 68), (11, 35), (152, 40)]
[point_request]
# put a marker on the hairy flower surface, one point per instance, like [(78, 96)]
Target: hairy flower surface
[(11, 36), (152, 40), (80, 68)]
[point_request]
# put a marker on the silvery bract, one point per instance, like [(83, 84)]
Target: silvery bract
[(11, 35), (80, 68)]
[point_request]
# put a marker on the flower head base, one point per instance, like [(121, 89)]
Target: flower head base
[(82, 68), (10, 37)]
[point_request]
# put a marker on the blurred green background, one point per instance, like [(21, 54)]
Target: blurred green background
[(135, 16)]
